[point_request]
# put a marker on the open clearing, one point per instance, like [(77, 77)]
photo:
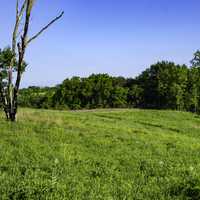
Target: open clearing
[(103, 154)]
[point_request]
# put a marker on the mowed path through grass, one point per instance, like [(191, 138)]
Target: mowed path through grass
[(104, 154)]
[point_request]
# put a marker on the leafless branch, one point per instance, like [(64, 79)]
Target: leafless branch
[(19, 15), (45, 28), (17, 8)]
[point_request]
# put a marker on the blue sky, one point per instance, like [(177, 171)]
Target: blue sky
[(119, 37)]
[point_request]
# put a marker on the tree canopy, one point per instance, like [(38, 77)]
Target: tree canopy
[(164, 85)]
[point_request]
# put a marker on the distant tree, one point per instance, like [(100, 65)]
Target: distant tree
[(101, 90), (196, 59), (135, 96), (193, 86), (118, 97), (71, 93), (36, 97), (164, 85), (12, 60), (86, 93)]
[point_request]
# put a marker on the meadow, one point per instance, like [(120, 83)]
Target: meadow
[(101, 154)]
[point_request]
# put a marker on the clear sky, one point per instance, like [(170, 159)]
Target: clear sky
[(119, 37)]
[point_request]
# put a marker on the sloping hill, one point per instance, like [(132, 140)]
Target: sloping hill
[(104, 154)]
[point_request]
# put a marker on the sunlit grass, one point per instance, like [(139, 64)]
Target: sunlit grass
[(103, 154)]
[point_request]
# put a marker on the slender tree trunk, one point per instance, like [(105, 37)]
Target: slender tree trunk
[(10, 97)]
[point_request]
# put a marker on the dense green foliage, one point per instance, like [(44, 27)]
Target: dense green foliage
[(6, 55), (164, 85), (106, 154), (36, 97)]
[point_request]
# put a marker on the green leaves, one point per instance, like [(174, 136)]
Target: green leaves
[(196, 59), (6, 57)]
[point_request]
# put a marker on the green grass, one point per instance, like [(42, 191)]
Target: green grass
[(103, 154)]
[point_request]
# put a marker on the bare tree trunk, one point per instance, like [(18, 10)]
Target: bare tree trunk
[(19, 50), (3, 99), (10, 107)]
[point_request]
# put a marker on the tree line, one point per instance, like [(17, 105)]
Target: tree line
[(164, 85)]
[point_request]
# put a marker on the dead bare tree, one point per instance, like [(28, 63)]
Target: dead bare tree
[(9, 94)]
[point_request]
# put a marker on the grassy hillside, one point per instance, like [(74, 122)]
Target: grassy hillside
[(119, 154)]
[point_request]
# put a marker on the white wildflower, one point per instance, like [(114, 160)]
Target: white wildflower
[(161, 162), (56, 161), (191, 168)]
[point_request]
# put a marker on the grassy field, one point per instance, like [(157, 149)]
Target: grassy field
[(104, 154)]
